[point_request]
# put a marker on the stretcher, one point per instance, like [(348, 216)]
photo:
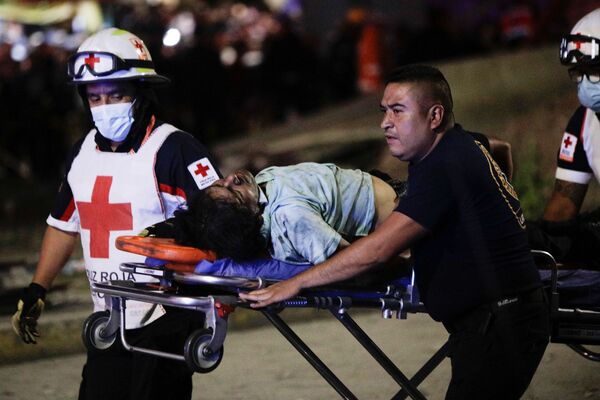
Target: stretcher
[(216, 297), (574, 299)]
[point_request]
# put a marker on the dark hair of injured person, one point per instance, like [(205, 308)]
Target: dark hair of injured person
[(225, 227)]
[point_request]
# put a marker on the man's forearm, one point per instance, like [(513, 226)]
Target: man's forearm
[(565, 201), (395, 235), (391, 238), (344, 264), (57, 247)]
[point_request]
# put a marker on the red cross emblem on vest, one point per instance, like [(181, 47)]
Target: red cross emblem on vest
[(101, 217), (201, 169), (567, 142)]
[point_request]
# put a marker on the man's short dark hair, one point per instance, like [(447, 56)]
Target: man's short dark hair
[(229, 229), (437, 86)]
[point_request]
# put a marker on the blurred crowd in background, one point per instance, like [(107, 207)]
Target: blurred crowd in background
[(238, 67)]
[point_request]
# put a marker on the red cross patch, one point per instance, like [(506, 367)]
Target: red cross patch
[(101, 217), (567, 147), (203, 172), (202, 169)]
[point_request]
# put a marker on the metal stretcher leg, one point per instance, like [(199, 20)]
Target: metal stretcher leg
[(377, 354), (129, 347), (425, 370), (311, 357), (585, 352)]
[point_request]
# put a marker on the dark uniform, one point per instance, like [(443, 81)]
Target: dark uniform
[(475, 270)]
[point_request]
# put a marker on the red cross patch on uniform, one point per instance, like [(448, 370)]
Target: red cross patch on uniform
[(203, 172), (567, 147)]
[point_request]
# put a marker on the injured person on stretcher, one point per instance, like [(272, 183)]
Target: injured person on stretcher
[(285, 219), (243, 217), (289, 218)]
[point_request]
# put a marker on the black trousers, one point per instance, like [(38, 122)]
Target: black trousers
[(495, 350), (118, 374)]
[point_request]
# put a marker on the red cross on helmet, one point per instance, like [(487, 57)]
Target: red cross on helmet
[(113, 54), (582, 46)]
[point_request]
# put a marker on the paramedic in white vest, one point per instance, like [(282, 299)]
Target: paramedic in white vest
[(569, 235), (129, 172)]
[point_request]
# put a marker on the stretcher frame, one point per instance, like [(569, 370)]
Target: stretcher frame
[(205, 356), (573, 326), (217, 298)]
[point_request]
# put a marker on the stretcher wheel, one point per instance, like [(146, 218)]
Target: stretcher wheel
[(93, 327), (197, 355)]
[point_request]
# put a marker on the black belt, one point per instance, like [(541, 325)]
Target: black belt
[(480, 318)]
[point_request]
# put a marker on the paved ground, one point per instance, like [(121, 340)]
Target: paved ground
[(260, 364)]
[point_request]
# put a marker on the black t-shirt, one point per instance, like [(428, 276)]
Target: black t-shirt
[(476, 250)]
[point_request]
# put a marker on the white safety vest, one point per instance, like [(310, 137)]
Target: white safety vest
[(117, 194)]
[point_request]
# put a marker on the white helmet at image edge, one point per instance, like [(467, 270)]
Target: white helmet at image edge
[(582, 46), (113, 54)]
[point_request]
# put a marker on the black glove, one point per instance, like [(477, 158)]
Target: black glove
[(29, 309), (164, 229)]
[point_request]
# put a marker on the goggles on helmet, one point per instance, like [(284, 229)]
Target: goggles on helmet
[(101, 64), (572, 50)]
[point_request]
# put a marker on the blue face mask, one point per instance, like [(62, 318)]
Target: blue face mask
[(589, 94), (113, 120)]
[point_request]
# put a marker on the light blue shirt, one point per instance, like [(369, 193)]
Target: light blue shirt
[(310, 207)]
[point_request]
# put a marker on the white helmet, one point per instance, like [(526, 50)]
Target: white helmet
[(113, 54), (582, 46)]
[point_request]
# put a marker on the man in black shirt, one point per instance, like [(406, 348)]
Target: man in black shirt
[(463, 222)]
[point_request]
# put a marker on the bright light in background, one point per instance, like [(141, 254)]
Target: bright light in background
[(185, 22), (172, 37), (56, 37), (276, 5), (228, 56), (239, 11), (292, 8), (88, 17), (252, 58), (36, 39), (73, 41), (14, 33), (18, 52)]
